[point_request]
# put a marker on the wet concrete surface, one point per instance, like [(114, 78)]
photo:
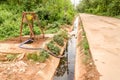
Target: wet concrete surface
[(71, 58)]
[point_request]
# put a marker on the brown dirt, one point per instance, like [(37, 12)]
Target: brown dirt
[(21, 68), (12, 45)]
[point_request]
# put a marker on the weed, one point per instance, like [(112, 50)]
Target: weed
[(52, 13), (59, 40), (10, 57), (53, 48), (85, 44), (63, 34), (44, 53), (34, 57), (28, 56), (41, 57)]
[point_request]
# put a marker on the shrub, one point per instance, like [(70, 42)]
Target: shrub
[(49, 12), (41, 57), (10, 57), (64, 34), (1, 20), (44, 53), (53, 48), (59, 40), (28, 56), (34, 57)]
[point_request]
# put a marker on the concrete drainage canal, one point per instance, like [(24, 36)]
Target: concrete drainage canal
[(65, 70)]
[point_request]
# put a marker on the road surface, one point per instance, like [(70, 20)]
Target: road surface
[(103, 35)]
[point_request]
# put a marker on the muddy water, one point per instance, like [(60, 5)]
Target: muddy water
[(65, 70)]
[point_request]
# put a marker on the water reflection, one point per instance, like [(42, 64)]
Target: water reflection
[(62, 70), (65, 70)]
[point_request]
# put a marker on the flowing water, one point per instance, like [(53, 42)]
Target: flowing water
[(65, 70)]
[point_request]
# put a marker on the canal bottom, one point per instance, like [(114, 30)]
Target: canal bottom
[(65, 70)]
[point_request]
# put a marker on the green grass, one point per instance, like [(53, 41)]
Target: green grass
[(85, 46), (59, 40), (11, 57), (86, 51), (117, 16), (53, 48), (41, 57), (51, 14)]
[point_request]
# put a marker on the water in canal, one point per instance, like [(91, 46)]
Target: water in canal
[(65, 70)]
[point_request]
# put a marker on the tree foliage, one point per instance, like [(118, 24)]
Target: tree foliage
[(103, 7), (51, 13)]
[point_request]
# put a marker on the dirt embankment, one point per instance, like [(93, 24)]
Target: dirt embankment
[(84, 65), (22, 68)]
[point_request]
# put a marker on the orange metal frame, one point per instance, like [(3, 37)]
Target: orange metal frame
[(30, 23)]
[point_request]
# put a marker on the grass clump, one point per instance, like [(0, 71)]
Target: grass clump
[(85, 46), (53, 48), (10, 57), (64, 34), (59, 40), (32, 56), (41, 57)]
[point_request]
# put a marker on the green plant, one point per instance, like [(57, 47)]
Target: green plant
[(53, 48), (63, 34), (28, 56), (59, 40), (52, 30), (85, 44), (101, 7), (1, 20), (49, 12), (43, 55), (41, 58), (10, 57), (32, 56)]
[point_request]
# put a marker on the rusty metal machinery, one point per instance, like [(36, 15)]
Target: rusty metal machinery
[(29, 18)]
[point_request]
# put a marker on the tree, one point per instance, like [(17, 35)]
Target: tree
[(103, 7)]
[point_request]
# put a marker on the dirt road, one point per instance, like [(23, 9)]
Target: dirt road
[(103, 35)]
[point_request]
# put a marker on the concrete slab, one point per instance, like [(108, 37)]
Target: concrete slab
[(103, 35)]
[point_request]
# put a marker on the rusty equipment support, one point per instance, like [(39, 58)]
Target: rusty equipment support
[(30, 23)]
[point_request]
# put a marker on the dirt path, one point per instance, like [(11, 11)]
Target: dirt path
[(103, 35)]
